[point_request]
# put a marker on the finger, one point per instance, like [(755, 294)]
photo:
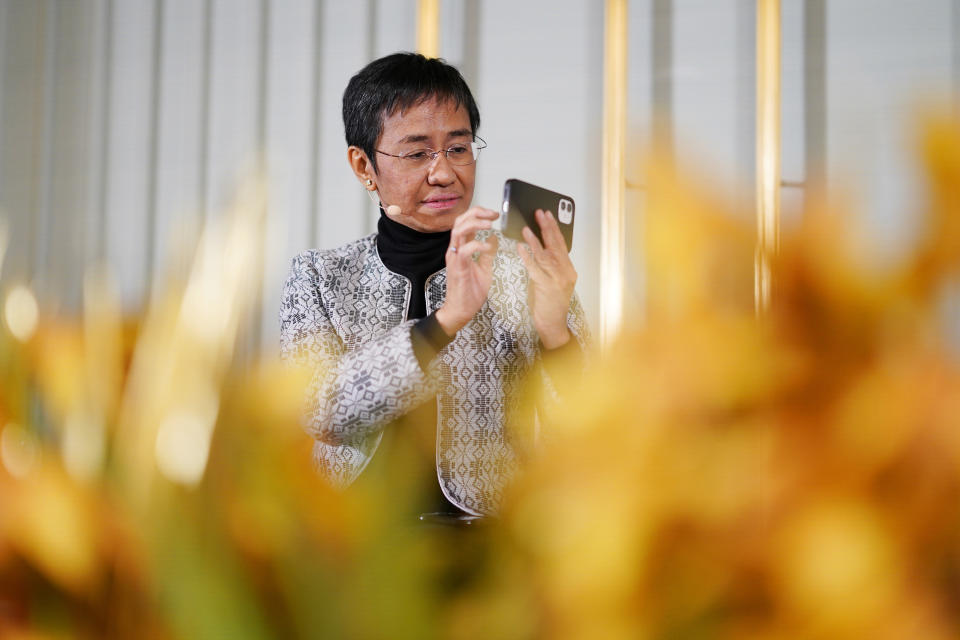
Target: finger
[(480, 212), (488, 256), (536, 249), (475, 214), (555, 245), (553, 239), (534, 270), (531, 238), (465, 253), (524, 252), (468, 223), (464, 232)]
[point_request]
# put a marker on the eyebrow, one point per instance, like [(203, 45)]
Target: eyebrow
[(457, 133)]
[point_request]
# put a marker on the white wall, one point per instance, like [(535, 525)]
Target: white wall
[(125, 123), (886, 60)]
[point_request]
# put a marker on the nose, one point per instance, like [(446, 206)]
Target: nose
[(441, 171)]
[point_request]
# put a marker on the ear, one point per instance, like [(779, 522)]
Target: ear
[(362, 167)]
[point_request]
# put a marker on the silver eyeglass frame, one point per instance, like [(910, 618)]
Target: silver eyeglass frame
[(477, 145)]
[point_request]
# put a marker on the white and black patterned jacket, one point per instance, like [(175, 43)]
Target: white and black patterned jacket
[(343, 314)]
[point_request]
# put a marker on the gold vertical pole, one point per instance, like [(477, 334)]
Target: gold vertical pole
[(768, 192), (428, 27), (768, 147), (612, 250)]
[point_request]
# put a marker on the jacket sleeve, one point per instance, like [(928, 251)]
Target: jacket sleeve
[(562, 367), (353, 392)]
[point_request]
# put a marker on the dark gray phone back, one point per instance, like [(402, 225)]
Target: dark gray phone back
[(520, 201)]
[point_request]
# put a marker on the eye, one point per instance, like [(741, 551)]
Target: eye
[(458, 150), (417, 155)]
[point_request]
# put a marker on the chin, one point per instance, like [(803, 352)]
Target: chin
[(438, 224), (438, 221)]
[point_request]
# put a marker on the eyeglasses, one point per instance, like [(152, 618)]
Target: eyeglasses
[(458, 154)]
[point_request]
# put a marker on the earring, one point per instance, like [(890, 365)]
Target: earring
[(372, 192)]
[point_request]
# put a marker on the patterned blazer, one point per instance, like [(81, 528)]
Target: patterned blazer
[(343, 315)]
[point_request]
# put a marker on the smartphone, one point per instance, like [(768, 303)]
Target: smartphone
[(520, 201)]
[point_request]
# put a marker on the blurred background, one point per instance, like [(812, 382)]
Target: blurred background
[(738, 462), (123, 124)]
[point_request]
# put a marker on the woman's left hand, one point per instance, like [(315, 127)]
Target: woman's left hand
[(552, 278)]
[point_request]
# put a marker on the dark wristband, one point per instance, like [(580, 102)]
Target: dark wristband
[(428, 339)]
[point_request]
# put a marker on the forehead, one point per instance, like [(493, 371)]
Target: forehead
[(431, 118)]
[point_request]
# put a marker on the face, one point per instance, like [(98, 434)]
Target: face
[(430, 198)]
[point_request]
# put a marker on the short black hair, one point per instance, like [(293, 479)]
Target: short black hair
[(399, 81)]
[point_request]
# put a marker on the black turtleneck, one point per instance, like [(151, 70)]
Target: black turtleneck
[(416, 255), (413, 254)]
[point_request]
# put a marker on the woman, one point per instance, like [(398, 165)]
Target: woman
[(434, 318)]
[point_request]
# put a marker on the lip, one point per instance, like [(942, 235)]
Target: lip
[(441, 202)]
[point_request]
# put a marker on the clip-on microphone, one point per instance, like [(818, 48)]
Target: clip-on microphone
[(391, 210)]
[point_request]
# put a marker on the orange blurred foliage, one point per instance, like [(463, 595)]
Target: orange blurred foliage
[(717, 473)]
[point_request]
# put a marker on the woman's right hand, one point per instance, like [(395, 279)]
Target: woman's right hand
[(469, 269)]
